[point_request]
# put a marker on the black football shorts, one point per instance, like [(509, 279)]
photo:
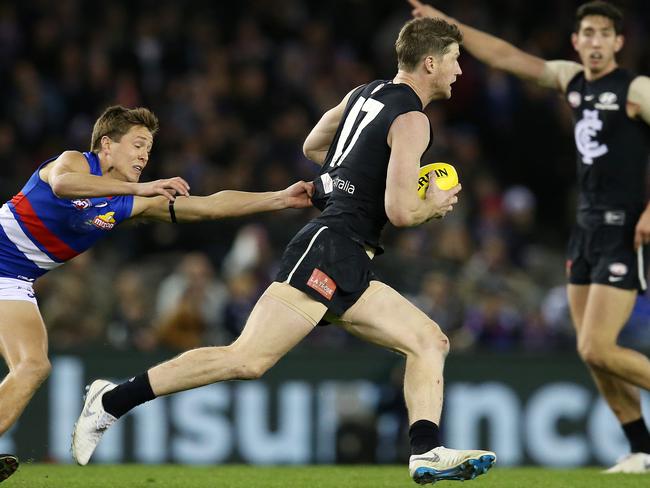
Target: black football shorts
[(605, 255), (328, 266)]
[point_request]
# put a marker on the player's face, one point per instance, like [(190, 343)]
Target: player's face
[(597, 43), (448, 71), (130, 155)]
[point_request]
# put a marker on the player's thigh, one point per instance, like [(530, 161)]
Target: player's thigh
[(577, 295), (606, 312), (281, 318), (22, 332), (384, 317)]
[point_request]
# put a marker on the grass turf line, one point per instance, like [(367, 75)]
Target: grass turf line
[(236, 476)]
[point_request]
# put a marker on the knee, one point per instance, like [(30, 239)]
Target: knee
[(592, 354), (34, 370), (432, 340)]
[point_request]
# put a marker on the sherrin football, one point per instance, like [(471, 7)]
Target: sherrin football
[(446, 177)]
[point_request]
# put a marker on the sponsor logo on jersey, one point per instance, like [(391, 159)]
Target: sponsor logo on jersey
[(574, 99), (82, 203), (106, 221), (607, 101), (322, 283), (343, 185), (617, 269), (585, 132), (102, 204), (328, 185)]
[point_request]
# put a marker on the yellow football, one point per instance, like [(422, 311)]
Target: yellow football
[(446, 177)]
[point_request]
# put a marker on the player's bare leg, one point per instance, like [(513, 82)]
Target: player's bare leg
[(606, 311), (272, 329), (384, 317), (23, 345), (622, 397)]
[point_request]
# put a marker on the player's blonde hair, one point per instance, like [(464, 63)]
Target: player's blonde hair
[(118, 120), (424, 37)]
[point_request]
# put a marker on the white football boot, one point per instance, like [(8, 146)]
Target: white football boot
[(441, 463), (92, 422), (635, 462)]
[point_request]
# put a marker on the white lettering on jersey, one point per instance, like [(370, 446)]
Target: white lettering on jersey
[(585, 132)]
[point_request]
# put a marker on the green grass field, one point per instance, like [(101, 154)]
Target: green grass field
[(139, 476)]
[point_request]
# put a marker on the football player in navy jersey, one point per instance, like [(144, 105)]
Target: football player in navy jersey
[(70, 202), (369, 148), (607, 252)]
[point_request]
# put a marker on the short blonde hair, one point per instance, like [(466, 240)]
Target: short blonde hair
[(118, 120), (423, 37)]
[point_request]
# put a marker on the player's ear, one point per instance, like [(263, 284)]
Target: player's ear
[(105, 142), (430, 64), (618, 45), (574, 41)]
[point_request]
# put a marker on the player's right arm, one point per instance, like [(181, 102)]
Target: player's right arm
[(321, 136), (69, 177), (502, 55), (408, 138)]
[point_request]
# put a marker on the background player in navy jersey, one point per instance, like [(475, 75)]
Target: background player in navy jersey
[(369, 147), (69, 203), (606, 264)]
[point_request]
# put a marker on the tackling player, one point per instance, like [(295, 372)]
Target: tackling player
[(70, 202)]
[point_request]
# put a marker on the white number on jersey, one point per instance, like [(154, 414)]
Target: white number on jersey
[(372, 108)]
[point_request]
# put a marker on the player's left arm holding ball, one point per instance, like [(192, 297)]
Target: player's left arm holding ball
[(408, 138), (226, 203)]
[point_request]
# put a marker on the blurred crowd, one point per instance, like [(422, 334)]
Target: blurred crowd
[(237, 86)]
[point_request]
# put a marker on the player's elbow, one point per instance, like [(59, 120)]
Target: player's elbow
[(399, 216), (60, 188), (311, 152)]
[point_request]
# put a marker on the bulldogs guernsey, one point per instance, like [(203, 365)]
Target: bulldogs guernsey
[(612, 149), (39, 231)]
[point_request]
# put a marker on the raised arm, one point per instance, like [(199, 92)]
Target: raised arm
[(69, 177), (227, 203), (408, 138), (489, 49), (321, 136)]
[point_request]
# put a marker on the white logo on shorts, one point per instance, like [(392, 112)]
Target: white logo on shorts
[(617, 269)]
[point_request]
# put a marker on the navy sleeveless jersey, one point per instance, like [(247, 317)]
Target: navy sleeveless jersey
[(352, 182), (612, 149)]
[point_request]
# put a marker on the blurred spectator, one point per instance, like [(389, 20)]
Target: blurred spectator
[(190, 305)]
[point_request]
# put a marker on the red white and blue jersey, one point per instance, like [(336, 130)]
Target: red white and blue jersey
[(40, 231)]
